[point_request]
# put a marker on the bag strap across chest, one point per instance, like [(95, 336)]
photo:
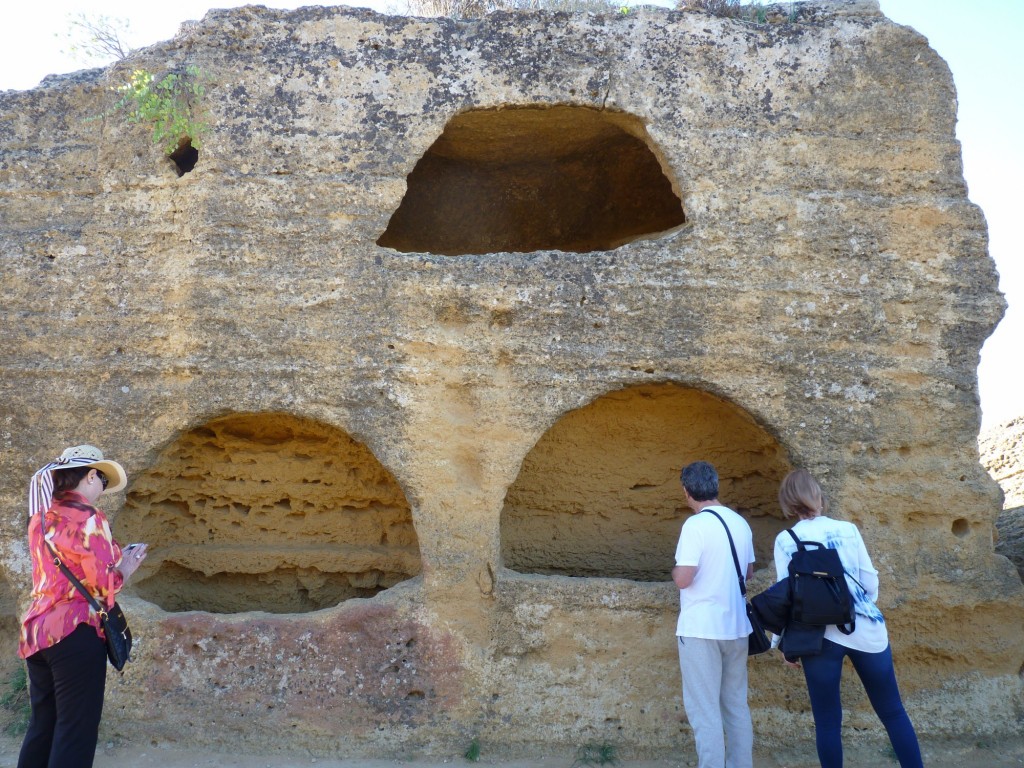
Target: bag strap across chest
[(732, 547), (100, 611)]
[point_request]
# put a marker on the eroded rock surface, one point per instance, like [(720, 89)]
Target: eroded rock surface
[(268, 512), (404, 369)]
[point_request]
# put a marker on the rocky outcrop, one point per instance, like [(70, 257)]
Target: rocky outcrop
[(1002, 454), (404, 362), (1010, 530)]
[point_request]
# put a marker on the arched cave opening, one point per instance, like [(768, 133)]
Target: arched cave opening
[(184, 157), (535, 178), (268, 512), (599, 493)]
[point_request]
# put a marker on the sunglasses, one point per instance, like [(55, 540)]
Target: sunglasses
[(103, 479)]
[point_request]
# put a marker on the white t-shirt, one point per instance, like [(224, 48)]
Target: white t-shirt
[(712, 606), (870, 634)]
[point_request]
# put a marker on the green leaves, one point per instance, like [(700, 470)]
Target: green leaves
[(596, 754), (169, 104)]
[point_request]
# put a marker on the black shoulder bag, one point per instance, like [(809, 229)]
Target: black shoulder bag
[(758, 641), (115, 625)]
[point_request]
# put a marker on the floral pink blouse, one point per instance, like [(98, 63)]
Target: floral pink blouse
[(81, 535)]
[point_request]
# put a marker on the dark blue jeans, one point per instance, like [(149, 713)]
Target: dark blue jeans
[(65, 683), (876, 672)]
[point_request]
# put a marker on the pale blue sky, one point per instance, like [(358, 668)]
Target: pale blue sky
[(981, 40)]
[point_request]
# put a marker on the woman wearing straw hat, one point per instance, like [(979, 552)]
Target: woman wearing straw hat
[(61, 636)]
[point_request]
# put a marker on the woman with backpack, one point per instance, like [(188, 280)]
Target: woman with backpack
[(868, 644)]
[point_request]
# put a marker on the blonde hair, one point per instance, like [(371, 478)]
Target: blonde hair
[(801, 495)]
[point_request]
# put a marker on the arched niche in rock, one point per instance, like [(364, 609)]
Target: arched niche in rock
[(534, 178), (268, 512), (599, 494)]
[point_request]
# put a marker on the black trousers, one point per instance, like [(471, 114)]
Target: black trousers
[(65, 683)]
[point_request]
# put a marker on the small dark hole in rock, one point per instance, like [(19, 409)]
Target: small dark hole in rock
[(185, 156)]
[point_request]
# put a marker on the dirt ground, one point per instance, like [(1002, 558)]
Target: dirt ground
[(1008, 754), (963, 753)]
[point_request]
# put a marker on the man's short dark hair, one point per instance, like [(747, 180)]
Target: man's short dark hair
[(700, 481)]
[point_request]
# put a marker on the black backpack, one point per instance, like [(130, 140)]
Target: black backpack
[(818, 589)]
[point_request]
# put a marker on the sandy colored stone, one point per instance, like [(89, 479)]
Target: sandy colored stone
[(787, 271)]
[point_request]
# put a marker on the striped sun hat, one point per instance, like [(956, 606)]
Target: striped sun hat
[(40, 490)]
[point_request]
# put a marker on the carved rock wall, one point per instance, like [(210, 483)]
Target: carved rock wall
[(289, 387)]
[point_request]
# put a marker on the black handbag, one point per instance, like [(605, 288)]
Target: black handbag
[(115, 624), (773, 609), (758, 641)]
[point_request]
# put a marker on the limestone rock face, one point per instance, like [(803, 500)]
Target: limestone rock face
[(404, 369)]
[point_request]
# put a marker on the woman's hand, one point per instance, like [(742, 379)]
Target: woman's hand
[(788, 663), (131, 559)]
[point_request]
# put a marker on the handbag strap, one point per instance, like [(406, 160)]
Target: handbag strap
[(735, 559), (101, 612)]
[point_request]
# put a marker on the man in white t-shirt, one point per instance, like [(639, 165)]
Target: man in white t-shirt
[(713, 627)]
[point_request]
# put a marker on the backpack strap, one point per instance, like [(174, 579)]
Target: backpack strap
[(735, 559), (799, 543)]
